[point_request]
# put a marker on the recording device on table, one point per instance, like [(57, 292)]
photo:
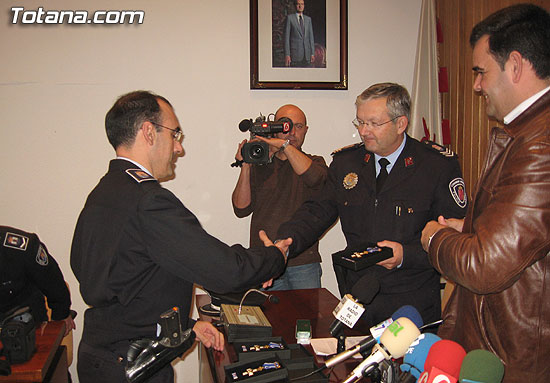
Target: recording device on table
[(147, 356), (257, 152)]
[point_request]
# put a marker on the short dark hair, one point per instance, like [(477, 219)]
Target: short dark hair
[(524, 28), (129, 112), (398, 100)]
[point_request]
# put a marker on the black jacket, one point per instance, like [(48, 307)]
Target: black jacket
[(137, 252), (419, 188), (27, 274)]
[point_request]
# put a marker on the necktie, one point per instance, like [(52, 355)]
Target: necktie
[(301, 24), (382, 175)]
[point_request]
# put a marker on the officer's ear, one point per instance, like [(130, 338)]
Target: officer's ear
[(149, 132), (402, 123)]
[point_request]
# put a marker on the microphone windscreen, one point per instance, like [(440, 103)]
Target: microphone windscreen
[(365, 289), (245, 125), (398, 336), (447, 356), (410, 312), (274, 299), (416, 355), (481, 366)]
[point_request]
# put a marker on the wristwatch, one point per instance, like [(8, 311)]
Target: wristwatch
[(283, 146)]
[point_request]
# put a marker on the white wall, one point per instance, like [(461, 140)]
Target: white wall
[(57, 82)]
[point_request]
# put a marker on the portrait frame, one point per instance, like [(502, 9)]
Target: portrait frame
[(263, 73)]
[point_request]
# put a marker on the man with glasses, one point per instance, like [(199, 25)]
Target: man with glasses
[(272, 193), (384, 190), (137, 250)]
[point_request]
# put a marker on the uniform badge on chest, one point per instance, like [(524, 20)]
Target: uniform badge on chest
[(350, 180)]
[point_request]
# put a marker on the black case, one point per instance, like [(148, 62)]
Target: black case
[(283, 353), (266, 376), (369, 257)]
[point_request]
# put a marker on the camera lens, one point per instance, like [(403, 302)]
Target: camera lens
[(256, 151)]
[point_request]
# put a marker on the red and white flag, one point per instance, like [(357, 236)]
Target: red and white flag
[(425, 121)]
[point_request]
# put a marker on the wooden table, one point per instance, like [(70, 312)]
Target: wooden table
[(49, 362), (313, 304)]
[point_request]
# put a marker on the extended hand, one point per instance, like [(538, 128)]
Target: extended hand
[(397, 258), (282, 244), (209, 335), (69, 325)]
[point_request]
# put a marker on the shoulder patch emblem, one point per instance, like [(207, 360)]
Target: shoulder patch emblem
[(458, 191), (16, 241), (140, 175), (346, 148), (42, 256), (350, 181)]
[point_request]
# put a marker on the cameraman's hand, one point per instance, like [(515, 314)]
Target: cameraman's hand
[(238, 155), (274, 143)]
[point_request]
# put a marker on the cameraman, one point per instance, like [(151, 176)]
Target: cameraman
[(273, 192)]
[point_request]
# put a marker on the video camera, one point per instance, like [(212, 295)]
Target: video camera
[(258, 152)]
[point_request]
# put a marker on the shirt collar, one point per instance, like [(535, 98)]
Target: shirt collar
[(523, 106), (392, 158), (136, 163)]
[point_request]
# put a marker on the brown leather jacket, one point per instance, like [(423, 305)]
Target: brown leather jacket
[(501, 260)]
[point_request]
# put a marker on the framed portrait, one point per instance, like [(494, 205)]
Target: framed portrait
[(298, 44)]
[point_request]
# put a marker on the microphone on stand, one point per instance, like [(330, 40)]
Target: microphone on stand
[(376, 332), (394, 342)]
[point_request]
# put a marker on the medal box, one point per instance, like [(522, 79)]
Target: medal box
[(360, 258), (244, 322), (265, 367), (247, 349)]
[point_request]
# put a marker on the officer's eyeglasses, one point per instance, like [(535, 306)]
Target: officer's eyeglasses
[(177, 135), (358, 123)]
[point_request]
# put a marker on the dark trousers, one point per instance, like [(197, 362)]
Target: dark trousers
[(107, 365)]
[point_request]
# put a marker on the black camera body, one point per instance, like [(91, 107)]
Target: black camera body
[(257, 152)]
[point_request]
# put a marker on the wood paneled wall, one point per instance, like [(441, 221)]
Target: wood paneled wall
[(465, 110)]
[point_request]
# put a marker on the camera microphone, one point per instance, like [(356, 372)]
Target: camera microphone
[(245, 125)]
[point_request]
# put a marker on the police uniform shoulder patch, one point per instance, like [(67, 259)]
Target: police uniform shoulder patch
[(347, 148), (458, 192), (42, 256), (140, 175), (446, 152), (16, 241)]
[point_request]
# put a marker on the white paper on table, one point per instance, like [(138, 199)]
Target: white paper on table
[(328, 346)]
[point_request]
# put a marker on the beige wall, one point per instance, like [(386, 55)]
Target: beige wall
[(57, 82)]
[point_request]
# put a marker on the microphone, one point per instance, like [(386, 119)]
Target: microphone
[(481, 366), (271, 298), (443, 362), (346, 312), (394, 342), (415, 357), (245, 125), (368, 342)]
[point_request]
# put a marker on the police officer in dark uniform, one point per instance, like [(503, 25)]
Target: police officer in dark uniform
[(137, 250), (417, 185), (27, 274)]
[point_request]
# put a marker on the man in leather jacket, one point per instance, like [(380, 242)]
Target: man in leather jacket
[(498, 255)]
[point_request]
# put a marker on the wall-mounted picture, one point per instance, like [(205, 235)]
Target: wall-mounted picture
[(298, 44)]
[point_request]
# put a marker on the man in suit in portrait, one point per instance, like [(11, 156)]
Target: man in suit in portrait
[(299, 44)]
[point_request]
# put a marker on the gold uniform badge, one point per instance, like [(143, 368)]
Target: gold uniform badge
[(350, 180)]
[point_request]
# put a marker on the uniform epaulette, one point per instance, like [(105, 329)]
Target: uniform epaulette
[(347, 148), (140, 175), (440, 149)]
